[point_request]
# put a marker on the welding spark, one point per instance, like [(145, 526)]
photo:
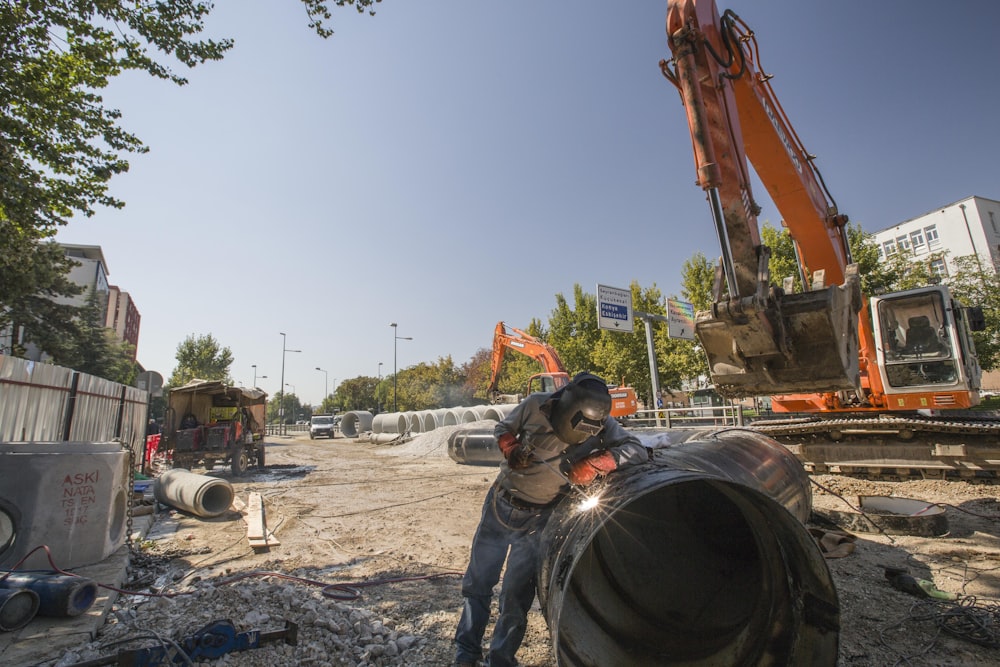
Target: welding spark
[(588, 503)]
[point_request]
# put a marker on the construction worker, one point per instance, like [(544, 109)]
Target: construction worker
[(549, 441)]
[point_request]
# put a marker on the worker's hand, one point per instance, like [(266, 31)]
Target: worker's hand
[(585, 470), (518, 456)]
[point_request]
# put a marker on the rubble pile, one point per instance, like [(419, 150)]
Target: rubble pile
[(331, 633)]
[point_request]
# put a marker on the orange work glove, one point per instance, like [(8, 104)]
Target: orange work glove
[(518, 456), (585, 470)]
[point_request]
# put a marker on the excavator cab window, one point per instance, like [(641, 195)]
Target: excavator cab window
[(916, 340)]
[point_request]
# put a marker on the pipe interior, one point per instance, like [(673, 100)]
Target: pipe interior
[(685, 574), (217, 498)]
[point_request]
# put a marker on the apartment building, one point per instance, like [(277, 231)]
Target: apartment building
[(968, 227), (120, 313)]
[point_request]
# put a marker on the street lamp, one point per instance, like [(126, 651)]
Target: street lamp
[(255, 376), (377, 406), (281, 399), (326, 385), (395, 337)]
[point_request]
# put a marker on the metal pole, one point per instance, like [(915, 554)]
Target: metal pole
[(395, 337), (654, 373), (326, 385), (281, 397)]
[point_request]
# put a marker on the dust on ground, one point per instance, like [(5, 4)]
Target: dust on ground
[(373, 539)]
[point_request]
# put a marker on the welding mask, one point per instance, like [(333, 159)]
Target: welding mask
[(581, 408)]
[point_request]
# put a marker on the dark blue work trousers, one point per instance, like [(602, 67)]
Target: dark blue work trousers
[(502, 527)]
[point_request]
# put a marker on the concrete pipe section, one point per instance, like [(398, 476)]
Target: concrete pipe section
[(69, 496), (700, 557), (355, 422), (200, 495)]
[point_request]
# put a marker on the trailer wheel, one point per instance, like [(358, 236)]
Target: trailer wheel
[(240, 462)]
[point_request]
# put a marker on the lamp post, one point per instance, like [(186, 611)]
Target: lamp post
[(281, 399), (326, 385), (395, 337), (255, 376), (377, 406)]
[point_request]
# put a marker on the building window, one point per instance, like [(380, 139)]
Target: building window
[(890, 248), (994, 223), (938, 267), (931, 234), (903, 242), (917, 241)]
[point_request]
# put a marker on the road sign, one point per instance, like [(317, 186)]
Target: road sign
[(680, 316), (614, 308)]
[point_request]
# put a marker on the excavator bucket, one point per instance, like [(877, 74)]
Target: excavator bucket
[(784, 343)]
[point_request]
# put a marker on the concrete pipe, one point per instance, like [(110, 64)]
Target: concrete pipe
[(384, 438), (499, 411), (452, 417), (200, 495), (698, 558), (58, 594), (413, 422), (69, 496), (390, 422), (468, 415), (355, 422), (17, 608)]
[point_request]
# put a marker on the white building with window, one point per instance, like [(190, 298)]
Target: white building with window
[(967, 227)]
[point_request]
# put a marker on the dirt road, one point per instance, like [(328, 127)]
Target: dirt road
[(391, 526)]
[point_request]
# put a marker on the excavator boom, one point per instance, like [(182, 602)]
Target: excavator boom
[(758, 338)]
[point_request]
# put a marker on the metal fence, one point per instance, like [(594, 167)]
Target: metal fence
[(45, 403), (712, 415)]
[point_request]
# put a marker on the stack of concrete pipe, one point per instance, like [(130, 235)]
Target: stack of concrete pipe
[(386, 427)]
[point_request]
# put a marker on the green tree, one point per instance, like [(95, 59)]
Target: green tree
[(974, 286), (357, 394), (94, 349), (33, 281), (59, 144), (573, 330), (202, 358)]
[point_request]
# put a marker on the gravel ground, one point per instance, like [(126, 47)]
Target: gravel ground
[(373, 540)]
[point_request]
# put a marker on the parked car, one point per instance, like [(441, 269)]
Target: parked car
[(322, 425)]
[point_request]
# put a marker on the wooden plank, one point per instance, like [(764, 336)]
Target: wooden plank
[(255, 517)]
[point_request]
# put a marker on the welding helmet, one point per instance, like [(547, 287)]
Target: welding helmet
[(580, 408)]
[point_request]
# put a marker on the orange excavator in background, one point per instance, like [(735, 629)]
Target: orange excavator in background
[(623, 399), (885, 368)]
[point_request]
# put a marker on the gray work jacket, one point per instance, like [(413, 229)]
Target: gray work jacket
[(545, 479)]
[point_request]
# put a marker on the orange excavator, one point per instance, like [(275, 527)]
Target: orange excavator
[(623, 399), (888, 367)]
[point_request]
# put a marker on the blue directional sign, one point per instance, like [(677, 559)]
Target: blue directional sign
[(614, 308)]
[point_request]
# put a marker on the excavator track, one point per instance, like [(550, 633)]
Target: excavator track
[(962, 446)]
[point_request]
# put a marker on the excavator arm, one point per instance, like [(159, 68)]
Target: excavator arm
[(511, 338), (760, 339)]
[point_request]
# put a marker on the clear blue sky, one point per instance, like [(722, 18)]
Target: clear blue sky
[(448, 164)]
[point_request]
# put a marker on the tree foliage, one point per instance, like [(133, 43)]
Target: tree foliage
[(974, 286), (201, 358)]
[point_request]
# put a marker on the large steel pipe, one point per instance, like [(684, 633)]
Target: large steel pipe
[(698, 558), (200, 495)]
